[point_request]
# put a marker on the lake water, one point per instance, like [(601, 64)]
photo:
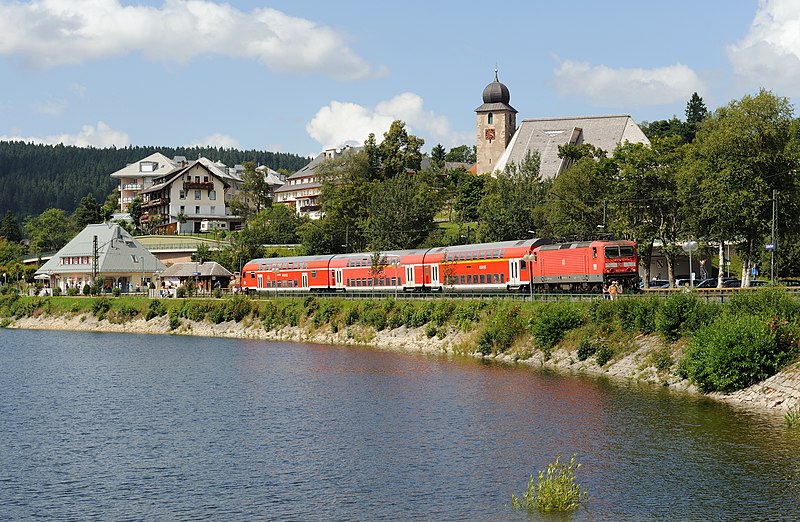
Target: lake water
[(133, 427)]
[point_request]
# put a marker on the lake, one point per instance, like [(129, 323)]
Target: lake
[(99, 426)]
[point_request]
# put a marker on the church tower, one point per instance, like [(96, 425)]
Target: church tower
[(496, 124)]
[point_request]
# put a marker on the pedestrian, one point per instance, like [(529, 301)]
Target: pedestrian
[(606, 295), (613, 290)]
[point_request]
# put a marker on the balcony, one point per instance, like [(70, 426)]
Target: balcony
[(131, 186), (155, 202), (204, 185)]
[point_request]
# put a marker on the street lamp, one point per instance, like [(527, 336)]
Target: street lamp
[(396, 265), (275, 279), (689, 247), (528, 258)]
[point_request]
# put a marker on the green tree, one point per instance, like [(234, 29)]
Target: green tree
[(508, 208), (399, 151), (87, 213), (135, 210), (740, 153), (10, 252), (49, 231), (462, 154), (401, 213), (468, 197), (9, 228), (255, 193), (438, 154)]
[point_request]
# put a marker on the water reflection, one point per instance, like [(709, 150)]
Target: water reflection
[(126, 426)]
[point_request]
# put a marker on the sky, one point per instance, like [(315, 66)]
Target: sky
[(303, 76)]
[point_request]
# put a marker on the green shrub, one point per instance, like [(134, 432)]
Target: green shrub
[(554, 489), (467, 313), (269, 315), (442, 311), (586, 348), (792, 417), (766, 302), (500, 332), (431, 330), (174, 318), (327, 309), (216, 313), (56, 291), (736, 351), (375, 317), (116, 292), (552, 321), (662, 359), (87, 289), (72, 291), (673, 313), (180, 292), (603, 354), (155, 309), (237, 308), (100, 307)]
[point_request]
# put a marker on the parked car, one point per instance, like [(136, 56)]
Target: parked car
[(732, 283), (711, 282), (656, 283), (759, 283)]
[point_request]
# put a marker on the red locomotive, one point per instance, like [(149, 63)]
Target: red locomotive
[(503, 266)]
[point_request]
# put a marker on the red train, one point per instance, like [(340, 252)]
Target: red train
[(504, 266)]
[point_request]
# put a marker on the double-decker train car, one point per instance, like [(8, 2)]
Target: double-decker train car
[(485, 267)]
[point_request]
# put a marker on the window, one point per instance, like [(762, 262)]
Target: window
[(197, 179), (213, 210), (205, 179), (183, 194), (483, 279), (183, 209), (490, 119), (197, 209), (212, 195), (196, 195)]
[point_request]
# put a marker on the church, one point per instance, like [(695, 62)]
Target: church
[(500, 142)]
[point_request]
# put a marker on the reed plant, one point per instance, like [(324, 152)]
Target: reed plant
[(554, 489), (793, 417)]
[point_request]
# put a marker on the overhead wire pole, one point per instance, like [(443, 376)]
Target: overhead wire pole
[(772, 239)]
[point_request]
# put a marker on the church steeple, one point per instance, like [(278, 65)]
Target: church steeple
[(496, 124)]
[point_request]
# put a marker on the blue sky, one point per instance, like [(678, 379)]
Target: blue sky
[(300, 76)]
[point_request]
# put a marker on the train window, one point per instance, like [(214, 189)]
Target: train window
[(535, 257), (496, 278), (523, 265), (313, 274), (594, 252), (252, 275), (502, 254), (502, 279), (469, 279), (483, 279), (462, 279)]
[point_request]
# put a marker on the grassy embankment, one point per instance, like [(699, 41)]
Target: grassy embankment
[(719, 347)]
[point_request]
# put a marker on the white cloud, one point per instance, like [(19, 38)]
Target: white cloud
[(609, 87), (99, 136), (769, 56), (216, 140), (78, 89), (48, 33), (52, 107), (341, 123)]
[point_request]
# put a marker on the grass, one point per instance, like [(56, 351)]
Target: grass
[(793, 417), (554, 489)]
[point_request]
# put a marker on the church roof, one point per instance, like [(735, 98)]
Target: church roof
[(544, 135), (496, 97)]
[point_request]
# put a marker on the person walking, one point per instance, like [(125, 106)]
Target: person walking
[(613, 290)]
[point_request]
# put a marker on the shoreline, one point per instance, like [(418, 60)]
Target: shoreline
[(778, 393)]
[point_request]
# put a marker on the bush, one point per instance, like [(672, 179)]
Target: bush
[(116, 292), (237, 308), (792, 417), (100, 307), (503, 328), (586, 349), (552, 321), (87, 289), (174, 319), (736, 351), (325, 311), (72, 291), (673, 313), (155, 309), (603, 354), (56, 291), (554, 489), (180, 292)]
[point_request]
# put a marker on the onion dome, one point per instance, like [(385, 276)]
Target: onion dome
[(496, 92)]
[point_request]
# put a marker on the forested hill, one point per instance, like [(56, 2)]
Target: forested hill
[(34, 178)]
